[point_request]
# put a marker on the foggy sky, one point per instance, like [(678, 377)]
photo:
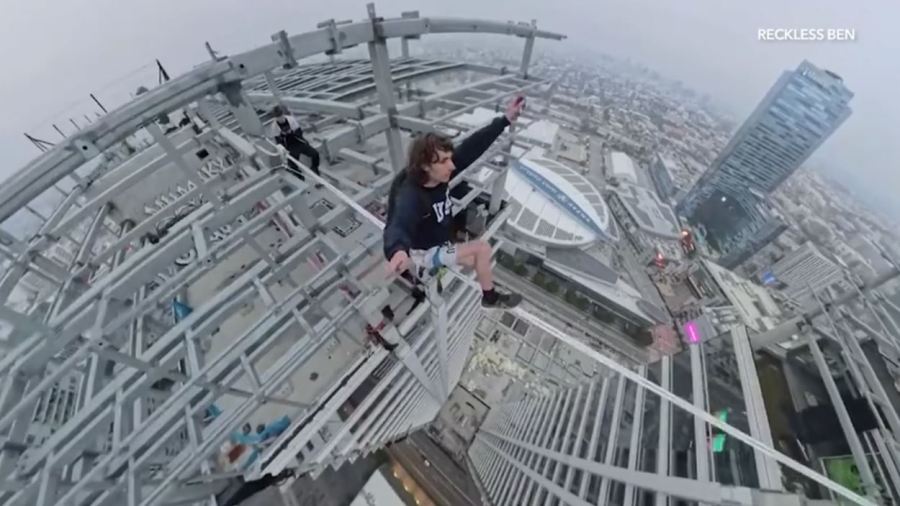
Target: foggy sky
[(56, 52)]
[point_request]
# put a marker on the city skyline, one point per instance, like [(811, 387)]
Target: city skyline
[(856, 155)]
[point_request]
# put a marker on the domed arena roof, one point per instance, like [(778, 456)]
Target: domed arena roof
[(555, 205)]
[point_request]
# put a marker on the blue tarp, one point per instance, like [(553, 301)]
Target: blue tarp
[(253, 440), (272, 430), (181, 310)]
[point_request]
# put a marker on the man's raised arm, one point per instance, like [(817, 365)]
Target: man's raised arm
[(476, 144)]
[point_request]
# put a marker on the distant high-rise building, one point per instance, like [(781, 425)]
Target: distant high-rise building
[(805, 268), (797, 114), (661, 172)]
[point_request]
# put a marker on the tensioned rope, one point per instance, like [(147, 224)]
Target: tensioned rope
[(615, 366)]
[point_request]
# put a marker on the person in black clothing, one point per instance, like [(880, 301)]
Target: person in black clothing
[(288, 133), (417, 232)]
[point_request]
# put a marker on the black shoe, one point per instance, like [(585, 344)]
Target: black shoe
[(503, 301), (418, 298)]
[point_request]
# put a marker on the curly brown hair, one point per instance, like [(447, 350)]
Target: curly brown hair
[(423, 151)]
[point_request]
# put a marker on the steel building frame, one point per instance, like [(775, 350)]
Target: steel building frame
[(106, 317), (509, 452), (140, 434)]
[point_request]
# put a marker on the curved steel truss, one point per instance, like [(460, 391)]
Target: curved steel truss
[(182, 284)]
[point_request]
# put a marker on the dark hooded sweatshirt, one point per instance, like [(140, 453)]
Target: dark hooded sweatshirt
[(418, 217)]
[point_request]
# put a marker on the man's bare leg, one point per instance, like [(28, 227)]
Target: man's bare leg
[(477, 254)]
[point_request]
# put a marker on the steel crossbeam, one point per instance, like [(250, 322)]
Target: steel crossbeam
[(107, 315)]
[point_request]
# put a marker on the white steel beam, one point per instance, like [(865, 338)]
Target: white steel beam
[(515, 428), (573, 414), (537, 413), (698, 397), (705, 492), (665, 427), (612, 437), (206, 79), (594, 445), (687, 406), (634, 446)]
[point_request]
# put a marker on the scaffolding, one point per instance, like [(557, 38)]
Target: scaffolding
[(175, 296), (633, 435), (195, 288)]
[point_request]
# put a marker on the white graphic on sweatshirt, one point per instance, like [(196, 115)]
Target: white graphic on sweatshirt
[(442, 209)]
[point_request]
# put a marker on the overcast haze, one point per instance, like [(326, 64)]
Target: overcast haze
[(56, 52)]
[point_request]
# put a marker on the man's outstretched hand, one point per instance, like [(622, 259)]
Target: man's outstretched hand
[(398, 263), (514, 108)]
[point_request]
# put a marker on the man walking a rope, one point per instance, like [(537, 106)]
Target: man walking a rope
[(287, 132)]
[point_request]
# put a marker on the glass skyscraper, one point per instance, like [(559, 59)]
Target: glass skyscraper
[(799, 112)]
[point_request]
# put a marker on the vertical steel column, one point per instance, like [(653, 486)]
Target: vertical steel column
[(544, 438), (701, 449), (371, 313), (863, 294), (613, 436), (576, 445), (888, 462), (14, 389), (627, 374), (665, 423), (270, 82), (559, 424), (404, 47), (548, 97), (498, 187), (172, 152), (204, 110), (891, 314), (512, 413), (595, 436), (62, 209), (565, 496), (871, 389), (885, 339), (766, 469), (636, 429), (381, 70), (240, 106), (573, 414), (300, 206), (535, 423), (515, 432), (859, 455), (24, 262), (873, 451), (526, 53), (81, 258), (439, 319), (512, 430), (861, 371), (494, 464)]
